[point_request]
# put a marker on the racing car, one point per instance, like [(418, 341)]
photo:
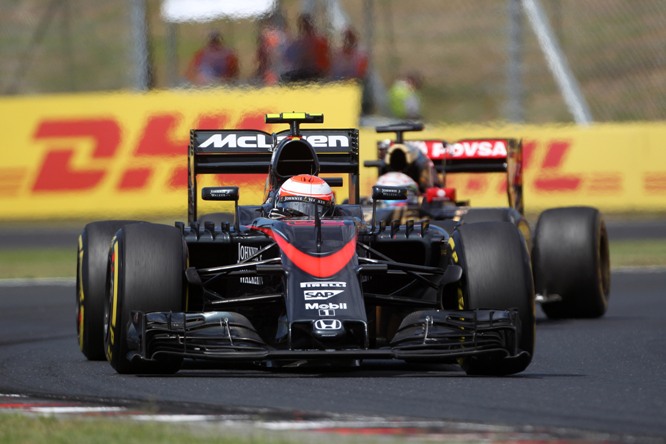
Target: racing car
[(296, 279), (569, 247)]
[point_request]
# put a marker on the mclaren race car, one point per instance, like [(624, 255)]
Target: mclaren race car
[(298, 279), (569, 247)]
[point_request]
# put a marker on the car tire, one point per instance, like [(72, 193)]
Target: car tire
[(91, 266), (475, 215), (497, 275), (571, 259), (146, 273)]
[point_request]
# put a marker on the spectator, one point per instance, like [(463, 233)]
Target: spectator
[(349, 62), (404, 99), (271, 47), (308, 55), (214, 63)]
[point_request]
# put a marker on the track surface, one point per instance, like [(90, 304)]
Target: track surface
[(604, 375)]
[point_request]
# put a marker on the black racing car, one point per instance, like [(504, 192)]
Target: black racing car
[(297, 289), (569, 247)]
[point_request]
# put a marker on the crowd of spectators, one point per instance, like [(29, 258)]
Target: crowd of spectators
[(282, 57), (307, 56), (214, 63)]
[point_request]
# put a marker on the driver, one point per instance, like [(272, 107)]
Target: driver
[(302, 196)]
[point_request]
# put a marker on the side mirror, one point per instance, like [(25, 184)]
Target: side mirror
[(220, 193), (223, 194), (386, 193), (374, 164)]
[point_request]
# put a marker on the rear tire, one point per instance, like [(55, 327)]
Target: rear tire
[(501, 214), (91, 265), (497, 275), (146, 273), (571, 259)]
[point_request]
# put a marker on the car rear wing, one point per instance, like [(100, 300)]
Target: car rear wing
[(474, 155), (488, 156), (242, 151), (250, 151)]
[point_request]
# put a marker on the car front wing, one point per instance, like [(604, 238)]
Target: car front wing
[(433, 335)]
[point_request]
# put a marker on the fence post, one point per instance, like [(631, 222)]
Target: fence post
[(557, 62)]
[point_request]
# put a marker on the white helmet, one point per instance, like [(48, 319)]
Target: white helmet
[(304, 194)]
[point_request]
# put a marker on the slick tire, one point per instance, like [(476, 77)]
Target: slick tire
[(571, 259), (474, 215), (489, 215), (146, 273), (91, 266), (497, 275)]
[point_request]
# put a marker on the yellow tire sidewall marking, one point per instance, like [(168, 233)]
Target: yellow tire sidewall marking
[(113, 321), (114, 306), (81, 294), (456, 260)]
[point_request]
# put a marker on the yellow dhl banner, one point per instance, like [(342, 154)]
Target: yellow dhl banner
[(104, 156)]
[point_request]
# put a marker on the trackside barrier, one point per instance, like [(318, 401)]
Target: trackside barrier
[(97, 156), (104, 156)]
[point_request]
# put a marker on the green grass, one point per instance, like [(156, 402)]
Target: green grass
[(15, 428), (61, 262), (639, 253), (25, 429), (31, 263)]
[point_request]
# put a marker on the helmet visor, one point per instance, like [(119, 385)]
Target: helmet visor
[(305, 206)]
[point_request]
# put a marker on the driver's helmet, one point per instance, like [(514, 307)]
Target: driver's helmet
[(398, 179), (302, 195)]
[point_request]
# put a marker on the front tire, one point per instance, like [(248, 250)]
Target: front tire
[(497, 275), (571, 259), (146, 273), (91, 265)]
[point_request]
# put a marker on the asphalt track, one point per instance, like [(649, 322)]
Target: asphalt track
[(594, 380), (600, 376)]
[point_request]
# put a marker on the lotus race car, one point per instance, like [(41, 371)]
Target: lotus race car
[(569, 247), (278, 287)]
